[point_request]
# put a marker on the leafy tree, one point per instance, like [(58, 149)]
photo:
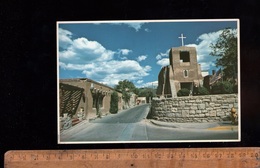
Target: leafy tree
[(224, 87), (225, 49), (114, 103), (146, 92), (126, 87)]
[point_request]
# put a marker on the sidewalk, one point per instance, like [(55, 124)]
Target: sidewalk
[(217, 126), (76, 127)]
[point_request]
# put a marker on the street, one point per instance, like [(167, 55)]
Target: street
[(131, 125)]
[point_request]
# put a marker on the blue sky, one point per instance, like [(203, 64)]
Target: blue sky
[(108, 52)]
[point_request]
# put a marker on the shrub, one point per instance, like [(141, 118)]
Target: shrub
[(183, 92), (114, 103), (222, 88), (203, 91), (235, 89)]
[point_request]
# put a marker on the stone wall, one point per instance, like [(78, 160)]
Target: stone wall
[(209, 108)]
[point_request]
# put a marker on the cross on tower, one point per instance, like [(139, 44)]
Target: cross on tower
[(182, 37)]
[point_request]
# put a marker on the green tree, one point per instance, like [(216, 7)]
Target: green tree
[(224, 87), (146, 92), (114, 103), (225, 49), (126, 87)]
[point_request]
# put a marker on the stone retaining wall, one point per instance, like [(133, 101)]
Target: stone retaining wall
[(209, 108)]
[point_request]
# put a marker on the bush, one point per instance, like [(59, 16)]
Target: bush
[(222, 88), (183, 92), (203, 91), (114, 103), (235, 89)]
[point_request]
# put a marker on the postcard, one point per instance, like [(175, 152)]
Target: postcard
[(148, 81)]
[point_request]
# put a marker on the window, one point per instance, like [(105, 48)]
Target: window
[(184, 56), (185, 73)]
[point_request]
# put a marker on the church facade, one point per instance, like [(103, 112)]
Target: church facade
[(183, 72)]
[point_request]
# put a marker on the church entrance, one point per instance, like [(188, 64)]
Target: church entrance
[(186, 85)]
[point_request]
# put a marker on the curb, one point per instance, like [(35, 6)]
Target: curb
[(209, 126), (222, 128), (163, 124)]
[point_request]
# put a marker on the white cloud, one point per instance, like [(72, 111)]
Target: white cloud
[(147, 68), (82, 50), (64, 38), (135, 25), (124, 51), (163, 58), (97, 63), (163, 62), (111, 72), (139, 81), (161, 55), (153, 84), (67, 55), (79, 67), (141, 58), (147, 30), (205, 66), (121, 70), (158, 57)]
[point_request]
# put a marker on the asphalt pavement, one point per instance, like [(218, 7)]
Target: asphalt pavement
[(132, 125), (225, 125)]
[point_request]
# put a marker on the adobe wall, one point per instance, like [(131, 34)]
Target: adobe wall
[(210, 108), (87, 105)]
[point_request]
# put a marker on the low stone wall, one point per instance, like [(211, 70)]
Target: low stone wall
[(209, 108)]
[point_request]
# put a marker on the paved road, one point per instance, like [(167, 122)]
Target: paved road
[(133, 115), (131, 125)]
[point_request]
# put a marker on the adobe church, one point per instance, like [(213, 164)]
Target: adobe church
[(183, 72)]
